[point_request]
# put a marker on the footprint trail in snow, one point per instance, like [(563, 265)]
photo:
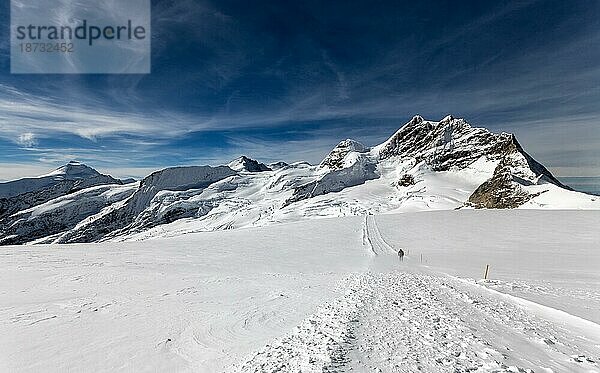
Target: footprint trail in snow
[(408, 320), (417, 322)]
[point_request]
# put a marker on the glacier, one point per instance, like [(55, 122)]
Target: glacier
[(425, 165)]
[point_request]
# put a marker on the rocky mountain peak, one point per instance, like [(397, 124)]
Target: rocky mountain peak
[(335, 158), (417, 119), (447, 163), (244, 163), (447, 119), (454, 143)]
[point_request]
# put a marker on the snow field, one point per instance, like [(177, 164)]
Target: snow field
[(410, 322), (320, 295)]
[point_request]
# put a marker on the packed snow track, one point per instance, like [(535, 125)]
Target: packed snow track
[(318, 296), (373, 239), (402, 321)]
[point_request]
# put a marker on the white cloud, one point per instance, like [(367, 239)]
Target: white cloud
[(27, 140)]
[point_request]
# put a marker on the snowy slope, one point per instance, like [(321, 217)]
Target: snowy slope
[(132, 213), (62, 213), (425, 165), (81, 175), (313, 296), (23, 194), (445, 172)]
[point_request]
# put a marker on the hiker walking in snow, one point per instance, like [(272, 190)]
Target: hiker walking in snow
[(401, 254)]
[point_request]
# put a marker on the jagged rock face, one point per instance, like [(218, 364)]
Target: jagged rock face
[(335, 159), (521, 165), (249, 165), (502, 191), (23, 194), (407, 180), (445, 144)]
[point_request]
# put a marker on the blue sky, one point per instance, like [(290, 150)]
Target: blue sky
[(287, 80)]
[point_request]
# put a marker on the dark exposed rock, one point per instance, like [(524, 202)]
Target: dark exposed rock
[(277, 165), (502, 191), (407, 180), (249, 165), (450, 143)]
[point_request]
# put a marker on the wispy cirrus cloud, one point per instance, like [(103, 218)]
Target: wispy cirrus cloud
[(288, 81)]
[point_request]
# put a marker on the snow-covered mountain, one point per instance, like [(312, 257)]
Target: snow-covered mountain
[(425, 165), (244, 163), (76, 175), (34, 207), (22, 194)]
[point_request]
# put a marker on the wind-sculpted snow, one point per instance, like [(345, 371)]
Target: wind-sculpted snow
[(425, 165), (311, 296)]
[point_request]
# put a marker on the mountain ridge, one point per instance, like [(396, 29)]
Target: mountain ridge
[(22, 194), (425, 165)]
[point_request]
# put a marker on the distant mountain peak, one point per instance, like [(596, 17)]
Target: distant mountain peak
[(447, 119), (75, 170), (25, 193), (417, 119), (335, 158), (244, 163), (277, 165), (424, 165)]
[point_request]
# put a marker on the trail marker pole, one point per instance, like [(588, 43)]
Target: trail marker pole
[(487, 271)]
